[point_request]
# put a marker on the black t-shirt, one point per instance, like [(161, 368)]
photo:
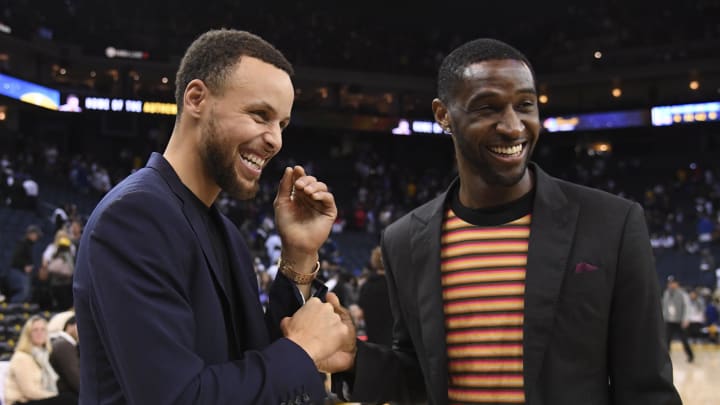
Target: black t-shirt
[(213, 229), (493, 216)]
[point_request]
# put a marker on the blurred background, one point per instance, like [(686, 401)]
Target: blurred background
[(629, 93)]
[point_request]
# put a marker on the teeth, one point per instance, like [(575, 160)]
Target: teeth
[(507, 150), (255, 160)]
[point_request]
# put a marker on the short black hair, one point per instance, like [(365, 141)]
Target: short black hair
[(475, 51), (70, 321), (213, 55)]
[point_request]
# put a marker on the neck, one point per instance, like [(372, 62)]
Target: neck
[(182, 153), (475, 193)]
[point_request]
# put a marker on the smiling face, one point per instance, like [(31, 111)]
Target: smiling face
[(494, 119), (243, 128)]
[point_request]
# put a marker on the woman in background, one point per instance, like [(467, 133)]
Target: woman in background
[(30, 379)]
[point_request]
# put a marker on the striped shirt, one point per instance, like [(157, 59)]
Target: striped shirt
[(483, 280)]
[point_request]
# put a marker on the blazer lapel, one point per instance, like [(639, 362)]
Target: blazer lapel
[(551, 234), (158, 162), (424, 269)]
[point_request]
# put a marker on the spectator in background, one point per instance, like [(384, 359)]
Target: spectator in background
[(18, 279), (62, 215), (32, 193), (65, 358), (273, 247), (31, 379), (696, 316), (47, 278), (57, 322), (676, 312), (375, 303), (705, 229), (75, 232), (708, 273), (60, 271), (712, 319)]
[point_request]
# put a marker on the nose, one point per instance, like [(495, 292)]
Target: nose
[(510, 123), (273, 139)]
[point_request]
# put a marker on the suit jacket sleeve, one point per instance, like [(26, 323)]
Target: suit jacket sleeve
[(146, 323), (385, 373), (285, 299), (640, 369)]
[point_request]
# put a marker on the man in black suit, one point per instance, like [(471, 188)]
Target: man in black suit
[(165, 292), (513, 286)]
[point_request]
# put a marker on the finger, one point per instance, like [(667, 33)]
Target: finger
[(298, 172), (305, 181), (324, 202), (311, 188), (285, 186)]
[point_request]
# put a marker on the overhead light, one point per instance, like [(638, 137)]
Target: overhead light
[(164, 80), (597, 55), (694, 85), (543, 99), (616, 92)]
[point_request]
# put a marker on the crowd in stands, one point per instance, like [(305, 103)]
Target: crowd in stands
[(413, 40), (373, 188)]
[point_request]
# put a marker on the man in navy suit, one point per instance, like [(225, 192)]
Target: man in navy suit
[(165, 293), (513, 286)]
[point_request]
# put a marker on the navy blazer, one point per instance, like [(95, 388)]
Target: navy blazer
[(155, 322), (593, 329)]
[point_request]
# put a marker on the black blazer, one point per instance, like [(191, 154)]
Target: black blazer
[(155, 320), (593, 331)]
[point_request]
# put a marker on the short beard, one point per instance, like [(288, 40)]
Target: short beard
[(219, 163), (484, 169)]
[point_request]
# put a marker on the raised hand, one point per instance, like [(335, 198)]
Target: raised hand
[(304, 212)]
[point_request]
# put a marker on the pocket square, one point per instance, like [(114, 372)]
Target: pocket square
[(583, 267)]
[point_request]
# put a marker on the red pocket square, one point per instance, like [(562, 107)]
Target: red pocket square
[(583, 267)]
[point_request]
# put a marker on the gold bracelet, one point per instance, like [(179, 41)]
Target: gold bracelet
[(286, 268)]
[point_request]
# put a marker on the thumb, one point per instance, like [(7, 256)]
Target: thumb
[(332, 299), (285, 184)]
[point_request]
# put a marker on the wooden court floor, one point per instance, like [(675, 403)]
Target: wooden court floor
[(698, 382)]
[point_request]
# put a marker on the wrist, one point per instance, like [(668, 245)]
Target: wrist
[(301, 271)]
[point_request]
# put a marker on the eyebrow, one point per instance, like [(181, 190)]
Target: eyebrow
[(492, 93), (263, 105)]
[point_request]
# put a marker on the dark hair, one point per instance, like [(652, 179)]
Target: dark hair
[(213, 55), (478, 50), (70, 321)]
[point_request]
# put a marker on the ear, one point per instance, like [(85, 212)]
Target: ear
[(441, 114), (195, 97)]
